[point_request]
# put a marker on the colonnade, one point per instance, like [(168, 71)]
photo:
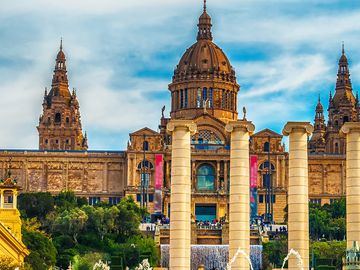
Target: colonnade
[(239, 227)]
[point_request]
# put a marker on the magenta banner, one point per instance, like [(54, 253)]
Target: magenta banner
[(253, 171), (158, 183)]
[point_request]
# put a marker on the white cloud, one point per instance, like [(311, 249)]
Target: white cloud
[(121, 55)]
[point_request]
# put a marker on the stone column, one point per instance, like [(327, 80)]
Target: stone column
[(180, 200), (352, 132), (239, 222), (298, 198)]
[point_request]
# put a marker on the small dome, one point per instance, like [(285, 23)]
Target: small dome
[(205, 57)]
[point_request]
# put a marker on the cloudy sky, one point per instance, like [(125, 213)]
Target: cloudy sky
[(121, 56)]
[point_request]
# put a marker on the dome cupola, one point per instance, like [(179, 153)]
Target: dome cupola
[(204, 80)]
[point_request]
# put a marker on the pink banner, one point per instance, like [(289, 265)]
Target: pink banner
[(158, 183), (253, 171)]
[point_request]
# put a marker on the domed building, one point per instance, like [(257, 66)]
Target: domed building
[(204, 89)]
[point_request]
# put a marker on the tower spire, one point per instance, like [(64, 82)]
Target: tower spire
[(204, 5), (343, 48), (61, 47)]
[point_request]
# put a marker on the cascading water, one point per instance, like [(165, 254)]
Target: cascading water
[(214, 256), (298, 257)]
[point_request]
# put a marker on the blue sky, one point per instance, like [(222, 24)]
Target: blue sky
[(121, 56)]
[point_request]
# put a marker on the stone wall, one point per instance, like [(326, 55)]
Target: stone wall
[(87, 173)]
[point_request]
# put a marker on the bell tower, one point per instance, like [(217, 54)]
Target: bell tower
[(60, 125)]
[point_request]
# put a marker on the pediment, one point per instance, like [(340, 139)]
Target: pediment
[(266, 133), (145, 131)]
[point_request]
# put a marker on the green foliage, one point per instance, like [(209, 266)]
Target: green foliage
[(274, 252), (42, 250), (36, 204), (71, 230), (328, 221), (333, 250), (71, 222), (87, 261)]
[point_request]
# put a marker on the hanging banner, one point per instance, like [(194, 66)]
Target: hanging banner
[(158, 183), (253, 187)]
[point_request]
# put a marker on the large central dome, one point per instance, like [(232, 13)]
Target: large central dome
[(204, 57), (204, 81)]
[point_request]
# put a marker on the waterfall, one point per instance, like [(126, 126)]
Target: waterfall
[(213, 256)]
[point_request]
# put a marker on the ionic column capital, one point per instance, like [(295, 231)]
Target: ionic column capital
[(181, 124), (247, 126), (350, 127), (292, 126)]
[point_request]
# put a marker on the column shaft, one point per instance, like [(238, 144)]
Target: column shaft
[(298, 198), (239, 222), (352, 131), (180, 200)]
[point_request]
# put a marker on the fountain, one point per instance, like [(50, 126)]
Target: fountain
[(239, 252), (215, 256), (298, 257)]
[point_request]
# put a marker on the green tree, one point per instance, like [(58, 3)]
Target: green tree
[(274, 252), (102, 220), (329, 250), (35, 204), (128, 220), (71, 222), (42, 250)]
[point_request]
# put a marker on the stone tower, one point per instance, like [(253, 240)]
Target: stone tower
[(317, 142), (204, 81), (343, 107), (60, 125)]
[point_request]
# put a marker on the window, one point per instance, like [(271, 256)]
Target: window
[(46, 141), (265, 165), (210, 98), (114, 200), (145, 180), (267, 147), (181, 99), (198, 101), (58, 118), (261, 198), (177, 100), (67, 120), (204, 97), (205, 178), (223, 99), (186, 98), (205, 212), (67, 141), (138, 197), (57, 141), (336, 148), (145, 164), (346, 119), (151, 197), (316, 201), (146, 146), (94, 200)]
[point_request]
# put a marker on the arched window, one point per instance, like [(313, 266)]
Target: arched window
[(57, 117), (205, 178), (146, 146), (198, 101), (265, 165), (210, 97), (181, 99), (336, 148), (266, 147), (204, 95), (145, 164), (185, 98), (222, 99)]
